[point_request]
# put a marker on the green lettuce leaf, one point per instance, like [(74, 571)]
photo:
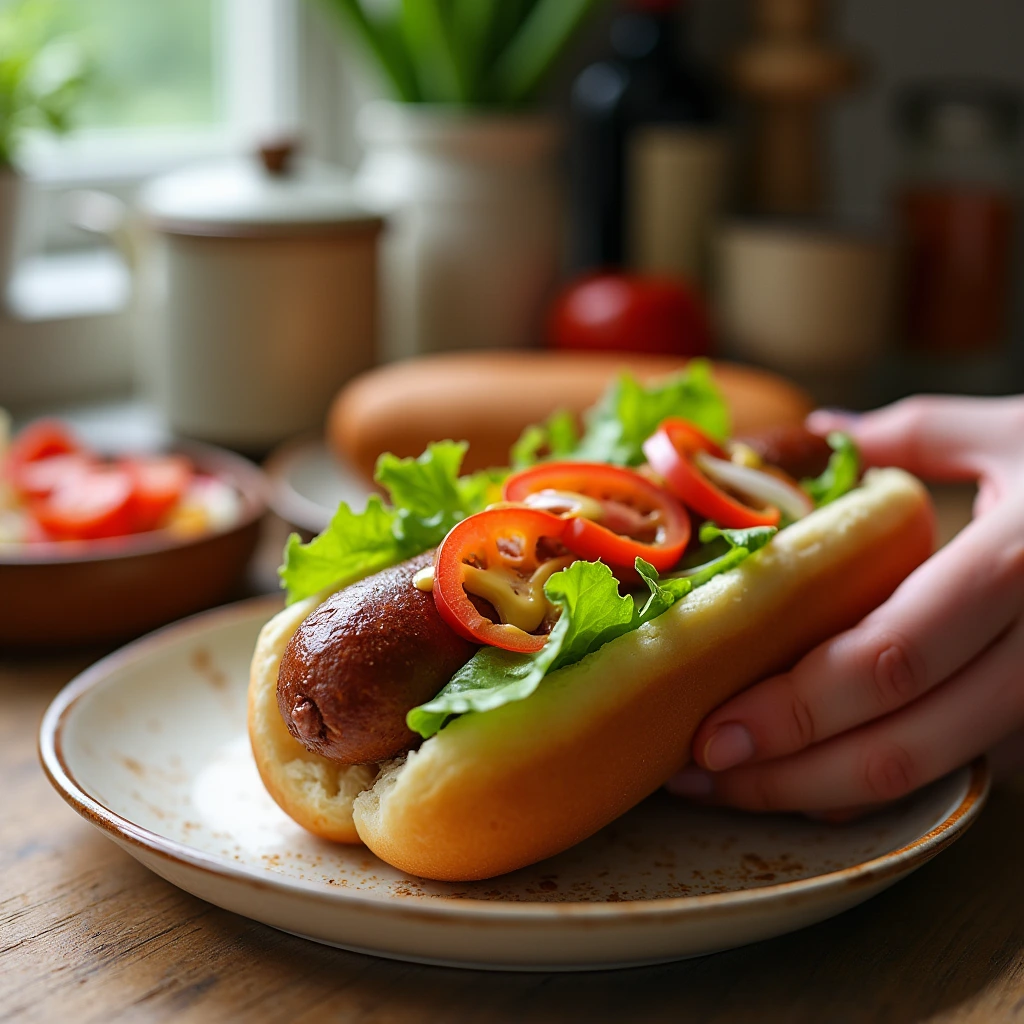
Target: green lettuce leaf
[(354, 545), (592, 612), (841, 474), (556, 438), (664, 592), (428, 498), (753, 538), (625, 417), (629, 413)]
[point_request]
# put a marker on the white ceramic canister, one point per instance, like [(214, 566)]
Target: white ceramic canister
[(260, 286), (475, 224)]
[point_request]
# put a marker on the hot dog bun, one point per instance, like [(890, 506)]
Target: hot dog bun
[(497, 791), (489, 397), (316, 792)]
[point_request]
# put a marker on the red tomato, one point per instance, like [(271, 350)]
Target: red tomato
[(630, 313), (40, 440), (635, 518), (160, 482), (498, 555), (672, 450), (93, 504), (40, 477)]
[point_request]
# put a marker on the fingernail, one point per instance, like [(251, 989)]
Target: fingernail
[(692, 782), (729, 745)]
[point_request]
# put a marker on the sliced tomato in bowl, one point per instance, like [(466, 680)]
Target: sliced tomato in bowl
[(611, 513), (41, 477), (88, 506), (489, 575), (159, 483), (41, 440)]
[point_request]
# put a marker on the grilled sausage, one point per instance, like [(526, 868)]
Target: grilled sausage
[(361, 661), (792, 448)]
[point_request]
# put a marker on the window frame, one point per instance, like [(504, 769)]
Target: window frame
[(274, 58)]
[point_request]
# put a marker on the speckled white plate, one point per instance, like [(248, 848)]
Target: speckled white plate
[(150, 746)]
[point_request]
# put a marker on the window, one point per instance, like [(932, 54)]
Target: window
[(158, 61), (174, 81), (177, 81)]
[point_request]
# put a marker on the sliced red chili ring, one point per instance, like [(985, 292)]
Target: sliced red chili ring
[(501, 556), (612, 514), (673, 452)]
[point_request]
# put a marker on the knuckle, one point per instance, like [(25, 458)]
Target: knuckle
[(913, 414), (1010, 564), (889, 773), (898, 671), (802, 726), (765, 793), (1015, 419)]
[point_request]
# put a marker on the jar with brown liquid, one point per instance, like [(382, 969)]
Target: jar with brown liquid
[(957, 210)]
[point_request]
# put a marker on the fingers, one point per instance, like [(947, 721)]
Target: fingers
[(937, 621), (938, 437), (881, 762)]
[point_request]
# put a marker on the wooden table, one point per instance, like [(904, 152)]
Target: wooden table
[(86, 934)]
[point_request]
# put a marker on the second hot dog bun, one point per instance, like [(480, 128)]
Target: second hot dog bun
[(489, 397), (497, 791)]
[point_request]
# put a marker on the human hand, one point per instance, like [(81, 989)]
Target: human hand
[(926, 682)]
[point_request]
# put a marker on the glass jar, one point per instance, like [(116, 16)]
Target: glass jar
[(957, 210)]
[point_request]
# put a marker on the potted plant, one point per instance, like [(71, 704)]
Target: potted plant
[(463, 165), (41, 83)]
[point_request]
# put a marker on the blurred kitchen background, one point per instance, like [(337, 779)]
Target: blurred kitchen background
[(828, 190)]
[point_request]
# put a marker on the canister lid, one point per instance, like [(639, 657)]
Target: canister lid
[(274, 193)]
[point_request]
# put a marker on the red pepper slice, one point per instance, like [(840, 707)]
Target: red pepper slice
[(40, 440), (673, 451), (96, 503), (159, 482), (612, 514), (501, 555)]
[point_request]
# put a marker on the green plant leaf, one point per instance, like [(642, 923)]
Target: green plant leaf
[(382, 37), (530, 53), (436, 58)]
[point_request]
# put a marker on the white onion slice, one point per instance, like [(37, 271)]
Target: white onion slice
[(763, 488)]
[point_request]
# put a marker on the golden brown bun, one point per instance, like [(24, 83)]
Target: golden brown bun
[(497, 791), (487, 398)]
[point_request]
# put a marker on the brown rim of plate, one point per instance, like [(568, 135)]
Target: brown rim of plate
[(246, 477), (877, 869)]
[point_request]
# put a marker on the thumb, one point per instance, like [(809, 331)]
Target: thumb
[(932, 436)]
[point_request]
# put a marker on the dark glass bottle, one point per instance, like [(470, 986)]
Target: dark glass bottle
[(647, 82)]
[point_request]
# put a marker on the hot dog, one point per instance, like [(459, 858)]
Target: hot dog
[(361, 660), (501, 783)]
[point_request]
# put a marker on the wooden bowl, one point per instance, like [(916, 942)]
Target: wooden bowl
[(106, 590)]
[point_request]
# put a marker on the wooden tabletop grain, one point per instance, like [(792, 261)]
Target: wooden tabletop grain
[(86, 934)]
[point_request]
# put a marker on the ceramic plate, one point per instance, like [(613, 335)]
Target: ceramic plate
[(308, 482), (150, 746)]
